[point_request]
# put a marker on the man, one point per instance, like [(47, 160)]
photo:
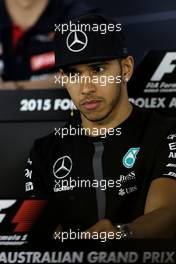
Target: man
[(130, 149), (26, 40)]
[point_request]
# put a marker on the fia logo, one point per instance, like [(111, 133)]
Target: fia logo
[(130, 157)]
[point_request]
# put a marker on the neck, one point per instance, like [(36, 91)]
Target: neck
[(119, 114), (25, 13)]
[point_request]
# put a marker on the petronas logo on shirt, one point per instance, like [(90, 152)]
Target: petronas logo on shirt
[(130, 157)]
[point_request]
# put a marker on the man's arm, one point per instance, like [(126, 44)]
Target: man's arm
[(159, 219), (34, 173)]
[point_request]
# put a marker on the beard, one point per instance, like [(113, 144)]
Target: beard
[(103, 115)]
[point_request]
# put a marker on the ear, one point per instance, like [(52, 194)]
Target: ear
[(61, 72), (127, 68), (61, 75)]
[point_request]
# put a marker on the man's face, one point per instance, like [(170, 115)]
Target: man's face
[(95, 99)]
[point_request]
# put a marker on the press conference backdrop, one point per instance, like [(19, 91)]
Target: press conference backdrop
[(27, 115), (150, 25), (151, 39), (153, 84)]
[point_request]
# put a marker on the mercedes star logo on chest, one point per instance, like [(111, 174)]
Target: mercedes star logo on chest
[(62, 167)]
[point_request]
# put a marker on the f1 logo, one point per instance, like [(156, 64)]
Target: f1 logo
[(4, 204), (167, 65), (26, 214)]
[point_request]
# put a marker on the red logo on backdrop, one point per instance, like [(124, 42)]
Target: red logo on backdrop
[(41, 61), (26, 215)]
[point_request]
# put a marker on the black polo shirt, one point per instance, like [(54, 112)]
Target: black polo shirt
[(33, 57), (118, 169)]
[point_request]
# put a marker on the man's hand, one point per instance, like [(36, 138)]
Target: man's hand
[(104, 225)]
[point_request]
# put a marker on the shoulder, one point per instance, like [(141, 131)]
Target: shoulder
[(163, 123), (50, 139), (155, 127), (155, 119), (59, 136), (44, 142)]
